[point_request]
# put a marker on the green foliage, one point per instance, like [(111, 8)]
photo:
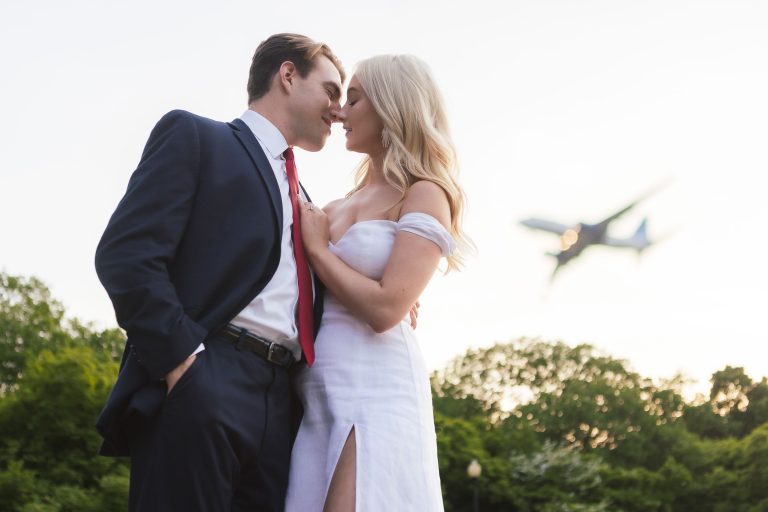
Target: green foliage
[(556, 428), (568, 428), (568, 395), (17, 485), (558, 478), (736, 406), (57, 379), (29, 321), (32, 321)]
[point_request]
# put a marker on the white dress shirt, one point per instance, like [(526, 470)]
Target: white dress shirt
[(272, 313)]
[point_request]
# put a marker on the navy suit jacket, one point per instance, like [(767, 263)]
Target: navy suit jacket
[(195, 238)]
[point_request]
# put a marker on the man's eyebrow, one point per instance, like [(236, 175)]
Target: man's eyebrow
[(336, 91)]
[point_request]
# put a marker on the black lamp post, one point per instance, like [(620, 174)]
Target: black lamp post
[(474, 470)]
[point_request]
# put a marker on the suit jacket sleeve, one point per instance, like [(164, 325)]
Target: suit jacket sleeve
[(140, 241)]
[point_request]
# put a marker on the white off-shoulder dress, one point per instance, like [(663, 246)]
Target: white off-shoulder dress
[(377, 384)]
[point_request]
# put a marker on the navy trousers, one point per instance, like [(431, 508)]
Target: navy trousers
[(222, 439)]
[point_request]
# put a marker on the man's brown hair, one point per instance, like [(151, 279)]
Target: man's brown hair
[(279, 48)]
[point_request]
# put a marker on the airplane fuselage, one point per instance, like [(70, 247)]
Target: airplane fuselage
[(586, 235)]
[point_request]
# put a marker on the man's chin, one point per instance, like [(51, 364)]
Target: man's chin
[(315, 145)]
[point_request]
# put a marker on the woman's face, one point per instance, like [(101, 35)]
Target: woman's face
[(361, 123)]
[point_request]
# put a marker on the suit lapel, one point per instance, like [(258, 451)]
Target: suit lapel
[(305, 192), (251, 145), (259, 159)]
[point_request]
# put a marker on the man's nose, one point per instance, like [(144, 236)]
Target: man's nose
[(336, 114)]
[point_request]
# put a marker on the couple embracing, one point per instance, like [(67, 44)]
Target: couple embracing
[(271, 362)]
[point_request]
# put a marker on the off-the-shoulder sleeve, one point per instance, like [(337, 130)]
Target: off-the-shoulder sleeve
[(428, 227)]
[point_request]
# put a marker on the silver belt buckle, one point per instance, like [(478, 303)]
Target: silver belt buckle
[(273, 347)]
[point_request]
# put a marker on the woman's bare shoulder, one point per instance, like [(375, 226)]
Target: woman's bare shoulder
[(427, 197)]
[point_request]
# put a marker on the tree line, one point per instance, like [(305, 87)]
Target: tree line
[(555, 427), (560, 428)]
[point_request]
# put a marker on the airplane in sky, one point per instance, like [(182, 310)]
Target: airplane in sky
[(576, 238)]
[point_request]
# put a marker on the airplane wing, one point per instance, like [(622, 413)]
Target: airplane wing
[(545, 225), (620, 212), (632, 204)]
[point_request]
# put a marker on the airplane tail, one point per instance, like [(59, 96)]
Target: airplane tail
[(639, 241)]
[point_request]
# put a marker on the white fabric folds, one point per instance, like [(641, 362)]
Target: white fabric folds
[(428, 227)]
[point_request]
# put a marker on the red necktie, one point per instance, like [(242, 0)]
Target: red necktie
[(306, 326)]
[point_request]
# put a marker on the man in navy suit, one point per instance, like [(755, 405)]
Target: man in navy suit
[(198, 262)]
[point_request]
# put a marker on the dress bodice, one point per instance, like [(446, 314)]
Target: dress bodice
[(366, 246)]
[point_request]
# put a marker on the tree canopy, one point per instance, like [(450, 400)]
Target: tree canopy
[(55, 374), (555, 427), (571, 428)]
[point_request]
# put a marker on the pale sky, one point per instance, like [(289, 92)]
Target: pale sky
[(560, 109)]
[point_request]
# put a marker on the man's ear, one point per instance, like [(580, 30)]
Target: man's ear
[(286, 75)]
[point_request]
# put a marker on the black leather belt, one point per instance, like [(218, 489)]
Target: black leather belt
[(269, 350)]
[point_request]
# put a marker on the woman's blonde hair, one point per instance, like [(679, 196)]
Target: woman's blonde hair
[(416, 136)]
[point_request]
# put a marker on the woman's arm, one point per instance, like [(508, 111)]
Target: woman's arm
[(381, 304)]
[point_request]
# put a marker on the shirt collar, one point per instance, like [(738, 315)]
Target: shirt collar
[(266, 133)]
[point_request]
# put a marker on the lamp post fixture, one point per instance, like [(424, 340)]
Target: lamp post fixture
[(474, 470)]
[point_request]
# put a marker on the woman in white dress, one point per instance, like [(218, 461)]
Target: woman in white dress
[(367, 439)]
